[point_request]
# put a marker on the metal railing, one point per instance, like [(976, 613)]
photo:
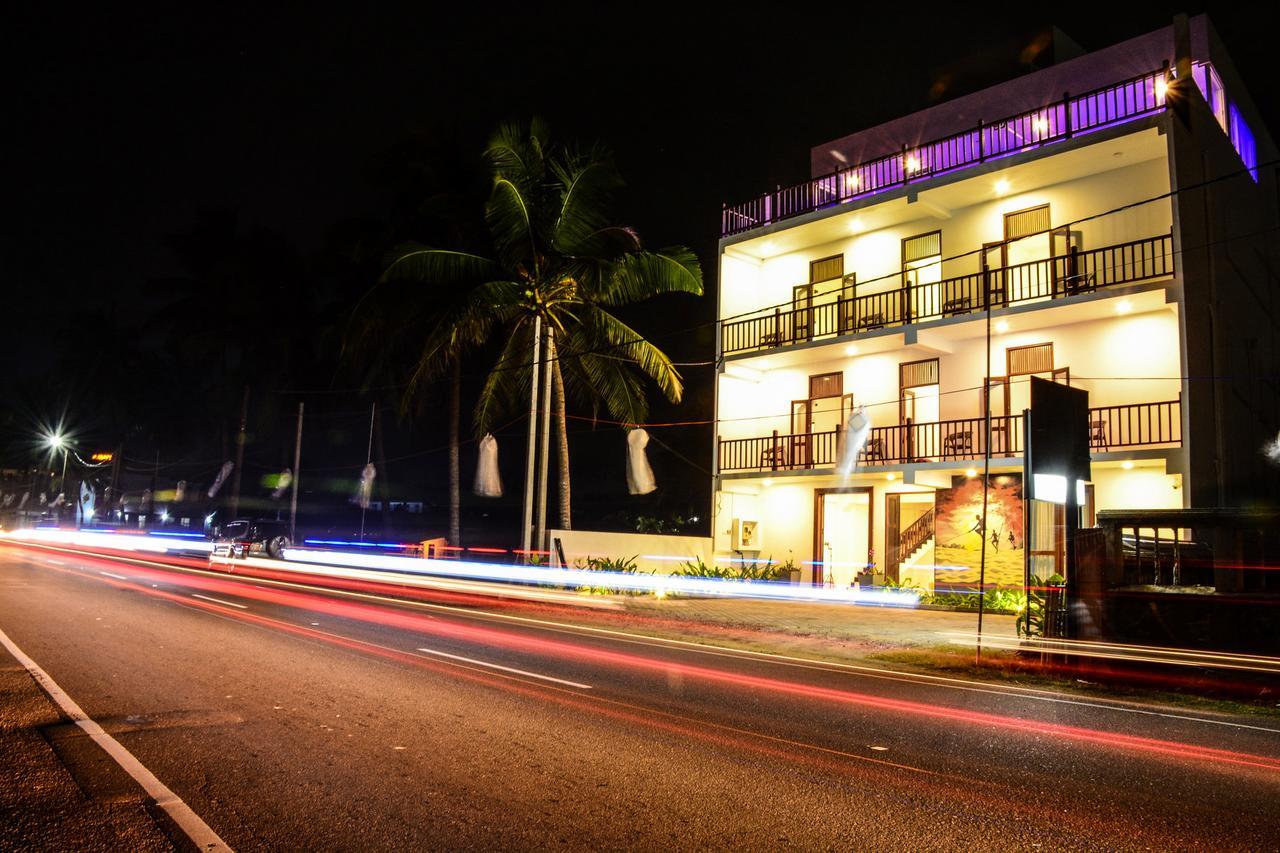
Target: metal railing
[(1059, 120), (1111, 428), (910, 302)]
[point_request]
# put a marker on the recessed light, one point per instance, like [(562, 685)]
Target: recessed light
[(1002, 325), (856, 225), (1127, 464), (767, 481), (891, 476), (768, 248), (971, 473), (851, 350), (1002, 186), (1124, 306)]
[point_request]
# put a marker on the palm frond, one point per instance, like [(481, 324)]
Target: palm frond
[(612, 339), (414, 262), (638, 276), (585, 186), (507, 383), (510, 220)]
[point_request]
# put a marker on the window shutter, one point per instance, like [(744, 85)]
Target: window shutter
[(825, 269), (1037, 358), (826, 385), (913, 374), (1022, 223), (921, 246)]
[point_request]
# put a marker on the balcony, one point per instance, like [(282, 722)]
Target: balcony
[(1049, 278), (1123, 427), (1061, 120)]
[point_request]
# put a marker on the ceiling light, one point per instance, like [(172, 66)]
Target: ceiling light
[(767, 481), (851, 350), (1002, 325), (911, 163), (1127, 464), (1124, 306), (856, 225), (1002, 186), (768, 248), (971, 473), (891, 476)]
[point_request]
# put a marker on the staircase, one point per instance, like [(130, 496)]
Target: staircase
[(915, 538)]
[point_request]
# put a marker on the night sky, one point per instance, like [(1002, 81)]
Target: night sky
[(127, 124)]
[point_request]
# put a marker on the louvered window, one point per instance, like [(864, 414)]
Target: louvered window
[(1022, 223), (826, 385), (921, 246), (1037, 358), (825, 269), (913, 374)]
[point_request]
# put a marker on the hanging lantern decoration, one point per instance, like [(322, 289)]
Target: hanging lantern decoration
[(86, 500), (640, 479), (283, 481), (223, 473), (365, 491), (180, 492), (488, 480), (852, 440)]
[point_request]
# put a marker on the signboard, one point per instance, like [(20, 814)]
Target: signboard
[(102, 456)]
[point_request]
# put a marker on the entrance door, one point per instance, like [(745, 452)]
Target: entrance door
[(997, 403), (802, 312), (842, 535), (993, 258), (799, 451)]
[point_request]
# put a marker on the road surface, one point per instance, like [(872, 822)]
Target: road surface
[(292, 718)]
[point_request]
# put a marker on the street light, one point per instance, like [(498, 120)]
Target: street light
[(58, 442)]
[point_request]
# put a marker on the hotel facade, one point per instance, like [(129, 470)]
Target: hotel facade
[(1106, 222)]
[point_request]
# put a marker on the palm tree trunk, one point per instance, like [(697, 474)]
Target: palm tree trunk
[(562, 444), (455, 473)]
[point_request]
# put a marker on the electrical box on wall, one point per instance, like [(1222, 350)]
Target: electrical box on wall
[(745, 534)]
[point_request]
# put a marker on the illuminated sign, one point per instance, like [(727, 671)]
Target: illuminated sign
[(102, 457)]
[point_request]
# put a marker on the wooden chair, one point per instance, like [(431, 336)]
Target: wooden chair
[(957, 443), (959, 305)]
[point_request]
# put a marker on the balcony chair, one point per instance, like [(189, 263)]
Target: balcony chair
[(1078, 283), (959, 305), (957, 443), (1098, 433), (873, 450), (871, 321)]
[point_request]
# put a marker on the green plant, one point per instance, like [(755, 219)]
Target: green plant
[(623, 565), (697, 568), (1032, 616)]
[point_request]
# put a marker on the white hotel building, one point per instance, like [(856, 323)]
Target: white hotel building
[(1102, 211)]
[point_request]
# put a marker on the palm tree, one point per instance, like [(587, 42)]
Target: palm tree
[(557, 262)]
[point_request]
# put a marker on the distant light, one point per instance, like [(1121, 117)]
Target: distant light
[(56, 441), (971, 473), (164, 516), (1002, 325), (912, 163), (851, 181), (851, 349), (1002, 186), (1162, 88), (1124, 306), (693, 519), (1040, 126), (1127, 464)]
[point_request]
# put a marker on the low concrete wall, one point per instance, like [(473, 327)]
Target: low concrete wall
[(653, 552)]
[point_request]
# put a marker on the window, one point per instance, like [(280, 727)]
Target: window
[(921, 247), (1024, 223), (1036, 358), (826, 269), (826, 385), (918, 391), (913, 374)]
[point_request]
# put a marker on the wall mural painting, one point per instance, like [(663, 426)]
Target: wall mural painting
[(961, 535)]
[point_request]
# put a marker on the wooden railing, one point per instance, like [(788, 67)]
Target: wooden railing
[(1059, 120), (908, 302), (1111, 428), (917, 534)]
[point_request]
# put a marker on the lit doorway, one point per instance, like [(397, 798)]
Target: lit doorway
[(842, 535)]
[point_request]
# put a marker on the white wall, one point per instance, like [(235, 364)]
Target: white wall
[(653, 552), (1140, 488)]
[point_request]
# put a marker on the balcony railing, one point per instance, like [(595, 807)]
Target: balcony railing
[(1071, 116), (1110, 428), (1049, 278)]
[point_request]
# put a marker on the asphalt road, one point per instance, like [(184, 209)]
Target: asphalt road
[(294, 719)]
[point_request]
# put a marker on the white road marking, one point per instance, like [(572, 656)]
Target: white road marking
[(55, 562), (111, 575), (219, 601), (196, 829), (507, 669)]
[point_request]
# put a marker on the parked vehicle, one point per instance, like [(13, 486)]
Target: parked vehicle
[(251, 538)]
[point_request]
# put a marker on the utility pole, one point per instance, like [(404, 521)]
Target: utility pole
[(297, 472), (545, 440), (368, 458), (526, 529), (235, 487)]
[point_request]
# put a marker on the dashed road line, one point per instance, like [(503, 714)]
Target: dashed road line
[(219, 601), (523, 672)]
